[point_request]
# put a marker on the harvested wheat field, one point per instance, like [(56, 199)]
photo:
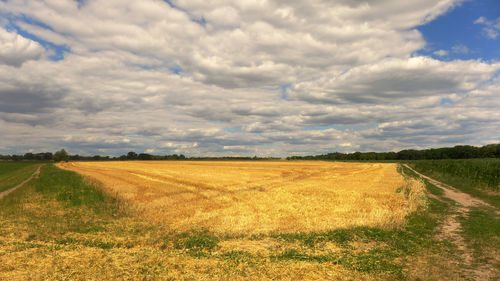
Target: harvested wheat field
[(256, 197)]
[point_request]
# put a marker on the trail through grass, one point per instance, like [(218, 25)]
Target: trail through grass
[(474, 227), (477, 177), (13, 173)]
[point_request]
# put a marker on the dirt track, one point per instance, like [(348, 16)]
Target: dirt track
[(7, 192), (451, 226), (450, 192)]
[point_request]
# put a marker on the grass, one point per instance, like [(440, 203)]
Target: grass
[(432, 189), (480, 226), (481, 229), (61, 226), (13, 173), (477, 177)]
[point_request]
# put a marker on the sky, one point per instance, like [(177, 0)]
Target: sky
[(248, 77)]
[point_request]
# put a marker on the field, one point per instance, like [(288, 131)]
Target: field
[(65, 226), (256, 197), (478, 177), (12, 173)]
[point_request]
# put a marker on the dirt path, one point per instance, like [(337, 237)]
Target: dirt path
[(450, 192), (7, 192), (451, 227)]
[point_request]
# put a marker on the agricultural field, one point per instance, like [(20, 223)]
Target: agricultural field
[(12, 173), (256, 197), (288, 221)]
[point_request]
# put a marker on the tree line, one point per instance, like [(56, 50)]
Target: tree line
[(62, 155), (456, 152)]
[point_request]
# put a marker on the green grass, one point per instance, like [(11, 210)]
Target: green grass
[(477, 177), (82, 208), (71, 189), (429, 186), (13, 173), (196, 243), (481, 230)]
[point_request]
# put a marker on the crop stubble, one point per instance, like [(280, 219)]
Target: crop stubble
[(256, 197)]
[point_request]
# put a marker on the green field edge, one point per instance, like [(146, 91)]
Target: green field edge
[(25, 173)]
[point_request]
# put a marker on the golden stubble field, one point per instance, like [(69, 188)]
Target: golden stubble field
[(255, 197)]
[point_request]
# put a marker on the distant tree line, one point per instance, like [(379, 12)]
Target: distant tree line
[(43, 156), (456, 152), (62, 155)]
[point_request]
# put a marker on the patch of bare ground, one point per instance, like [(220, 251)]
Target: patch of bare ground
[(451, 230)]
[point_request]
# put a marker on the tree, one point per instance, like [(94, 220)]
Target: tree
[(60, 155), (131, 155), (29, 156), (144, 156)]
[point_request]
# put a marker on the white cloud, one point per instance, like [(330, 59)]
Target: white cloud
[(16, 49), (143, 75), (460, 49), (491, 28), (441, 53)]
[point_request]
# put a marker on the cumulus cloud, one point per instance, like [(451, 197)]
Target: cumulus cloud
[(237, 78), (16, 49)]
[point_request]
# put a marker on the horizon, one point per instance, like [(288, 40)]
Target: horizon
[(242, 156), (264, 78)]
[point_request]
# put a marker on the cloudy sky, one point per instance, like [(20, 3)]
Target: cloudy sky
[(247, 77)]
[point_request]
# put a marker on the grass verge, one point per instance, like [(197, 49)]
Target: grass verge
[(477, 177), (481, 230), (13, 173)]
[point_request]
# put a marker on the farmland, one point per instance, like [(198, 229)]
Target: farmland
[(256, 197), (136, 221), (14, 173)]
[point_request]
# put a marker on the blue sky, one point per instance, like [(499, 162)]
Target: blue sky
[(268, 78), (457, 33)]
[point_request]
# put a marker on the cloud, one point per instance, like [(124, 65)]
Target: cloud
[(16, 49), (460, 49), (147, 75), (441, 53), (491, 28)]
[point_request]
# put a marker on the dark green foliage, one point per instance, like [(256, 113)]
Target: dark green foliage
[(456, 152), (43, 156), (478, 172), (60, 155)]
